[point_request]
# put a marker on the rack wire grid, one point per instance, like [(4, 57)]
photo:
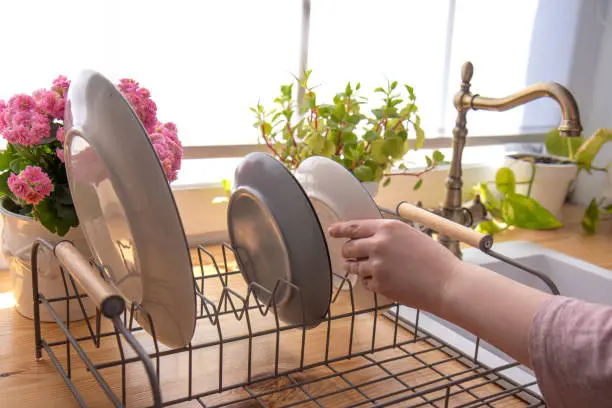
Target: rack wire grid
[(242, 356)]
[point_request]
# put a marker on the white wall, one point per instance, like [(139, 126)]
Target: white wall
[(592, 85)]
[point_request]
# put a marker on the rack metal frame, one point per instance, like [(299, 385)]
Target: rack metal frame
[(257, 390)]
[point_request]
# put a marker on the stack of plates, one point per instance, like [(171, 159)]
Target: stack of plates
[(278, 225)]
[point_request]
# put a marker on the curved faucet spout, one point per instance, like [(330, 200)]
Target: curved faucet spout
[(570, 122), (465, 100)]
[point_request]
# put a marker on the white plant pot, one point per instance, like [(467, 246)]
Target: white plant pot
[(550, 184), (18, 234)]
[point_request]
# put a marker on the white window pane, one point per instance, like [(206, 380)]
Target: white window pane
[(371, 41), (205, 62), (512, 44)]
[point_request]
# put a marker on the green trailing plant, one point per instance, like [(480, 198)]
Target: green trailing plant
[(508, 208), (369, 144)]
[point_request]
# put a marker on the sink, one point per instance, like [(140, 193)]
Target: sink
[(573, 277)]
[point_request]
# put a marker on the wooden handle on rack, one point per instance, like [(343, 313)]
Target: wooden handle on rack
[(105, 297), (444, 226)]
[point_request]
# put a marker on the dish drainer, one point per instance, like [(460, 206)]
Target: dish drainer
[(243, 356)]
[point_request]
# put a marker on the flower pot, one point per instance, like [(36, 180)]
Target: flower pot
[(551, 180), (18, 234)]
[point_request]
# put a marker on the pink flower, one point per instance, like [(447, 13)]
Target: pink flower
[(60, 86), (31, 185), (22, 122), (60, 155), (59, 135), (51, 103), (21, 102), (3, 108), (168, 147), (140, 100)]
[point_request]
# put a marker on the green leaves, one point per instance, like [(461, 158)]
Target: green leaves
[(393, 146), (589, 149), (227, 187), (491, 227), (505, 181), (370, 135), (591, 217), (418, 184), (420, 137), (368, 144), (329, 148), (4, 188), (5, 159), (491, 202), (525, 212), (364, 173), (558, 145), (377, 151), (349, 138), (56, 217), (438, 156)]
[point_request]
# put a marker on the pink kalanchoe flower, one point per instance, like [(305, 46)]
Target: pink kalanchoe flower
[(22, 102), (60, 154), (60, 135), (50, 103), (3, 109), (31, 185), (140, 100), (45, 100), (61, 85), (168, 148), (23, 123)]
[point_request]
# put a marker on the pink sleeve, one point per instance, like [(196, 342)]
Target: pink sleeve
[(570, 346)]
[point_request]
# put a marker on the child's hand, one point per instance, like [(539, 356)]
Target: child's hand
[(397, 261)]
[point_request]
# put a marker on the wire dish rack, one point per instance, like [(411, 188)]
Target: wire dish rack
[(242, 356)]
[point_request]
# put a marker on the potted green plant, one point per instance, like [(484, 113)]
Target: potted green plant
[(35, 199), (530, 190), (369, 144)]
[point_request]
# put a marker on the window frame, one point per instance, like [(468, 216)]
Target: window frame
[(239, 150)]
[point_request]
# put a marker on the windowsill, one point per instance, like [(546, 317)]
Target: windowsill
[(209, 173), (199, 186)]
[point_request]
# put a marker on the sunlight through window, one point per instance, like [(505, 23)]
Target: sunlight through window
[(7, 300)]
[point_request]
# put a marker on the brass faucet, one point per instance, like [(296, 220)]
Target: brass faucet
[(464, 100)]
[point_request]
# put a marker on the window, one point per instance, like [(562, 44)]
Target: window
[(207, 62)]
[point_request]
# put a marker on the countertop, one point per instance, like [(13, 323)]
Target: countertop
[(25, 382)]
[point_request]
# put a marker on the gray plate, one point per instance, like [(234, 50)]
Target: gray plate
[(126, 208), (278, 238)]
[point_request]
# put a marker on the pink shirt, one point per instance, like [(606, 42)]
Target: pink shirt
[(570, 345)]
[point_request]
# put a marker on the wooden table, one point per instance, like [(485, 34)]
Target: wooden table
[(25, 382)]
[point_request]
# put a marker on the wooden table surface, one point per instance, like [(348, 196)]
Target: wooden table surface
[(25, 382)]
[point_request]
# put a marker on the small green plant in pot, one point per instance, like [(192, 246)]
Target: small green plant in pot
[(526, 202), (369, 144), (582, 152)]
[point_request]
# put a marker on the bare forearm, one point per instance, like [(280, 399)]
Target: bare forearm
[(493, 307)]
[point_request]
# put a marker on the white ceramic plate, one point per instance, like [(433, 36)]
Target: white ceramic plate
[(126, 208), (337, 195), (278, 238)]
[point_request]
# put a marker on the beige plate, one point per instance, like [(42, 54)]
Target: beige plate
[(337, 195), (126, 208)]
